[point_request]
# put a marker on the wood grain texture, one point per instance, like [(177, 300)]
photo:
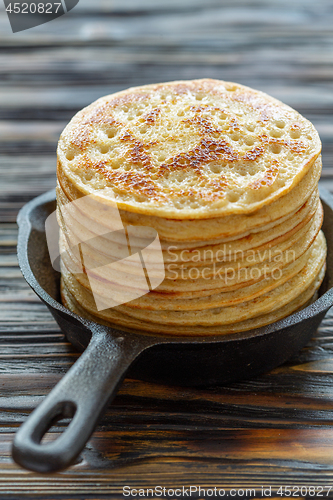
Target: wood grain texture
[(273, 430)]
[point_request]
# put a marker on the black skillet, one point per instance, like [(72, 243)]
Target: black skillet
[(93, 380)]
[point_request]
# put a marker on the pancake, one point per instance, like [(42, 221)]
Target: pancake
[(232, 226), (218, 298), (267, 302), (129, 324), (264, 260), (187, 150), (111, 244)]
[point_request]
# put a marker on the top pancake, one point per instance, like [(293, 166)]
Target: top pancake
[(187, 150)]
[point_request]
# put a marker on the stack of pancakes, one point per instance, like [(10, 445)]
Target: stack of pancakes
[(226, 176)]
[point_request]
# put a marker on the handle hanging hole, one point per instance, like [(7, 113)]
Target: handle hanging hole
[(60, 418)]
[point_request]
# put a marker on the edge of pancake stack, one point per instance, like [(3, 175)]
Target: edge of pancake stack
[(189, 208)]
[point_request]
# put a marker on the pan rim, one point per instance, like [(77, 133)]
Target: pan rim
[(320, 305)]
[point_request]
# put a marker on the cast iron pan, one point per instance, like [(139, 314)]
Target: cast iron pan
[(109, 354)]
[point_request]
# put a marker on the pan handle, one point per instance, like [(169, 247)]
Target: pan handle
[(82, 394)]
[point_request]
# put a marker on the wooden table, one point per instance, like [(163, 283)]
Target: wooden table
[(275, 430)]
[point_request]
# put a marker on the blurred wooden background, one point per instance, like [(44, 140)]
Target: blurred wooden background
[(274, 430)]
